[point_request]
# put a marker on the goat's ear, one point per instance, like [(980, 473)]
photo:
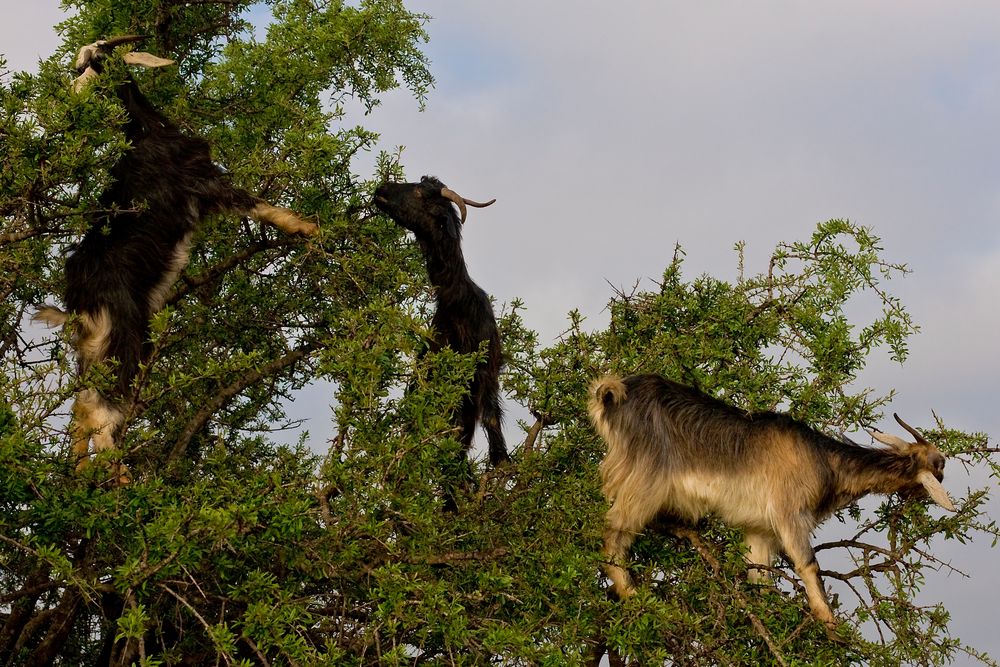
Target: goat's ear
[(450, 223), (146, 59), (935, 490), (81, 81)]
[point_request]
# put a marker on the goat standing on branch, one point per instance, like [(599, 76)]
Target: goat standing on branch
[(673, 449), (119, 274), (464, 317)]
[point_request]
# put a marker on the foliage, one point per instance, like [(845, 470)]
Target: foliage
[(232, 548)]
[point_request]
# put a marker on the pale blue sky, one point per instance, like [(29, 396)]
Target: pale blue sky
[(610, 131)]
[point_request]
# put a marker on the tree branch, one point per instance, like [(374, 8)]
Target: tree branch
[(196, 423), (216, 271), (696, 541), (63, 619)]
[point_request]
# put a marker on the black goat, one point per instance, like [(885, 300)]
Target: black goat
[(674, 450), (118, 275), (464, 316)]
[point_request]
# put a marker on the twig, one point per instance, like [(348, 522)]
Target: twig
[(201, 619), (713, 562), (196, 423)]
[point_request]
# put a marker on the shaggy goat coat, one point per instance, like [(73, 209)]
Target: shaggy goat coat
[(464, 317), (119, 274), (672, 449)]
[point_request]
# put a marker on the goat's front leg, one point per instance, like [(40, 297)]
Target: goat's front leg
[(761, 547), (624, 522), (284, 219), (795, 541)]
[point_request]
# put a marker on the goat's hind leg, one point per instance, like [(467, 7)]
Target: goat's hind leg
[(94, 417), (492, 420)]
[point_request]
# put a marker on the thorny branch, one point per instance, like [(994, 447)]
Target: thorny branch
[(226, 394)]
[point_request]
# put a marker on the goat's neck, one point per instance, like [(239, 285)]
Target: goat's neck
[(143, 117), (860, 471), (448, 274)]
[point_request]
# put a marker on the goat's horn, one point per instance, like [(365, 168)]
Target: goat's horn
[(460, 201), (935, 490), (112, 42), (448, 193), (893, 441), (479, 204), (914, 432)]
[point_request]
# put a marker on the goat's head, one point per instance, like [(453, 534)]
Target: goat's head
[(928, 464), (90, 58), (425, 208)]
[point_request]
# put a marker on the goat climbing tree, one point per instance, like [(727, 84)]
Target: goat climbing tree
[(232, 546)]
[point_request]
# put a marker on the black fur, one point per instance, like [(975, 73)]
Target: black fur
[(163, 186), (464, 316), (118, 275)]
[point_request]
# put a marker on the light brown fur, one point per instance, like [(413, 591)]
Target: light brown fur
[(94, 417), (284, 219), (674, 450)]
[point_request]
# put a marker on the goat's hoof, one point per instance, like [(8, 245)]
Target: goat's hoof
[(308, 229), (831, 632), (123, 478)]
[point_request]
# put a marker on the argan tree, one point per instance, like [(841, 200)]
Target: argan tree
[(231, 546)]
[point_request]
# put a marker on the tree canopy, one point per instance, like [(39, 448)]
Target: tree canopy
[(230, 547)]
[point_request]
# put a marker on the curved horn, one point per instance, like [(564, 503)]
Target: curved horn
[(914, 432), (112, 42), (88, 54), (460, 201), (893, 441), (935, 490), (448, 193)]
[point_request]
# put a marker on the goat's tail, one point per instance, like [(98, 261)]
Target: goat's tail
[(606, 392), (50, 315)]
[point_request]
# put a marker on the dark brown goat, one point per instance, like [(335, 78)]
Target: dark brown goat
[(464, 317), (118, 275), (672, 449)]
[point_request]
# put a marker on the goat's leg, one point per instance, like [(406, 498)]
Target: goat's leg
[(94, 417), (462, 477), (83, 407), (616, 544), (466, 420), (492, 417), (284, 219), (623, 523), (761, 549), (795, 541)]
